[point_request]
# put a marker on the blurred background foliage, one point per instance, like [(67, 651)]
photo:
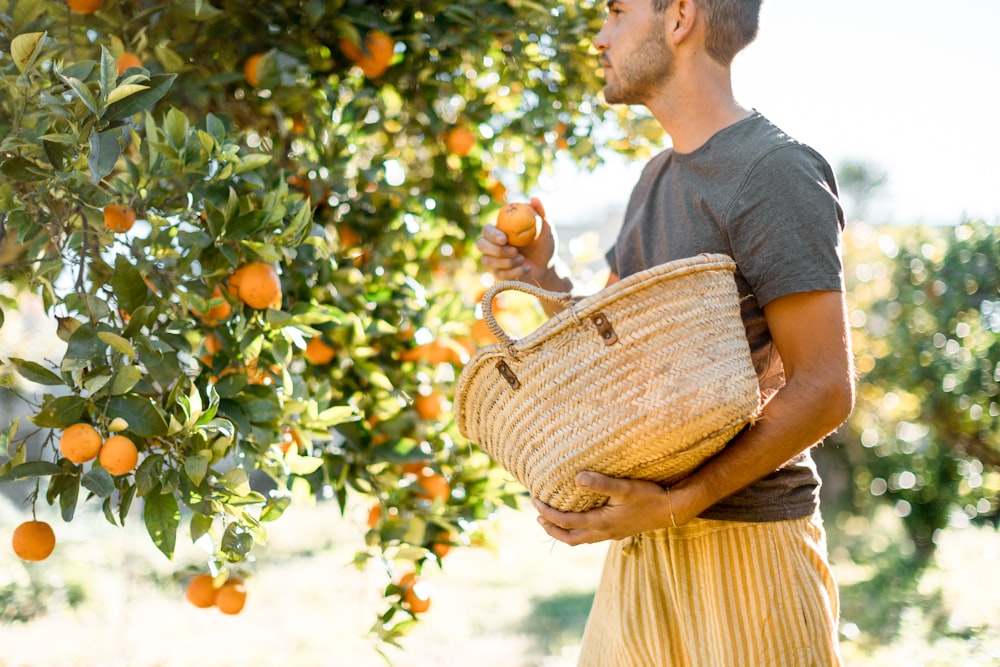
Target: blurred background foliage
[(357, 147)]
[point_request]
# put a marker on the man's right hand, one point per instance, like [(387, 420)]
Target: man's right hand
[(530, 264)]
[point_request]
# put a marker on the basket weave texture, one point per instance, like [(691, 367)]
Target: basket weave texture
[(645, 379)]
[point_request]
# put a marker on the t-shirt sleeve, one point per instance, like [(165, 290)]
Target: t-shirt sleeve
[(785, 224), (612, 260)]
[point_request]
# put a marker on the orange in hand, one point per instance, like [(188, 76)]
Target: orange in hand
[(519, 222)]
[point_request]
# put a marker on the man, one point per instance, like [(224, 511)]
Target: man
[(728, 566)]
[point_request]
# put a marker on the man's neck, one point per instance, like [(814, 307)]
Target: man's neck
[(696, 107)]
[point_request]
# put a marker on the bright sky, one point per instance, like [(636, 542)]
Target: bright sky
[(909, 86)]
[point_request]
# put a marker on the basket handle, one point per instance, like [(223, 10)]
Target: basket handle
[(564, 299)]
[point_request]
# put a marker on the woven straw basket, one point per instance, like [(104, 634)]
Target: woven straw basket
[(645, 379)]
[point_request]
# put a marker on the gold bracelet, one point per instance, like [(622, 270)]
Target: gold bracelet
[(670, 506)]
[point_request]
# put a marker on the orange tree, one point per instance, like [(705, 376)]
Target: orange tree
[(347, 151), (927, 327)]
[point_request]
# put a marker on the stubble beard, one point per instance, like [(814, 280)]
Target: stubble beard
[(642, 73)]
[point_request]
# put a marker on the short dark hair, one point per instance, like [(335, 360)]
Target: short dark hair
[(731, 25)]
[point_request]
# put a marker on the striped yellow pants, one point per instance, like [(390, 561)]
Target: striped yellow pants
[(716, 594)]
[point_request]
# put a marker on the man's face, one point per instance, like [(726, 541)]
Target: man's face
[(634, 54)]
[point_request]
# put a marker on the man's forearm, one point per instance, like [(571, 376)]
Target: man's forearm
[(795, 418)]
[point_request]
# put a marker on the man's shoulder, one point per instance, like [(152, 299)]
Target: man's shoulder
[(761, 141)]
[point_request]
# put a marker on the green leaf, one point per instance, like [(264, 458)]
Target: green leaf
[(129, 287), (303, 465), (25, 48), (252, 162), (22, 169), (34, 372), (60, 412), (128, 495), (336, 415), (109, 73), (196, 468), (99, 482), (275, 507), (32, 469), (237, 481), (7, 435), (57, 152), (85, 349), (200, 525), (147, 475), (104, 153), (162, 516), (133, 104), (67, 489), (144, 419), (82, 91), (118, 343), (125, 379), (236, 542), (125, 90), (175, 125)]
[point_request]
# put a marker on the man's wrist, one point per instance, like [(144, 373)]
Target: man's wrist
[(553, 282)]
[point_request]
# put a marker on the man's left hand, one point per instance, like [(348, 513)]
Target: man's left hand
[(634, 506)]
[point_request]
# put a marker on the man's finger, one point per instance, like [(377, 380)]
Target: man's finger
[(568, 520), (536, 204), (602, 484), (495, 236)]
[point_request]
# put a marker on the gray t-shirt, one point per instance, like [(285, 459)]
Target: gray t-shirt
[(770, 202)]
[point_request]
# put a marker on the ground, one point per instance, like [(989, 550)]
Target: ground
[(522, 606)]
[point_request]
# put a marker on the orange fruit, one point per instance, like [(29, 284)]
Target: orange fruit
[(497, 191), (217, 313), (317, 352), (119, 455), (438, 351), (257, 285), (442, 548), (374, 58), (429, 406), (118, 218), (519, 222), (415, 467), (212, 343), (415, 594), (231, 596), (374, 516), (348, 237), (459, 140), (200, 591), (481, 333), (126, 61), (432, 486), (33, 540), (80, 443), (84, 6), (251, 69)]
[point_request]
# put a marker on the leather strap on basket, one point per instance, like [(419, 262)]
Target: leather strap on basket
[(564, 299)]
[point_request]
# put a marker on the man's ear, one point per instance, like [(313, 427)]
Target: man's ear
[(682, 16)]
